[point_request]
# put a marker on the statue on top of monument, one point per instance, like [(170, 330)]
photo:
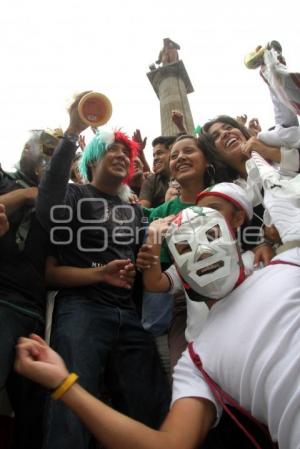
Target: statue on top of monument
[(167, 55)]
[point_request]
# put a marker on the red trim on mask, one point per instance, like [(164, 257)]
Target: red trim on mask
[(221, 195), (178, 219)]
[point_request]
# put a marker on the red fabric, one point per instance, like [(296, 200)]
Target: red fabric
[(282, 262), (221, 195)]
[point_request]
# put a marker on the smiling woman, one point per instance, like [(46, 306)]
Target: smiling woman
[(193, 165), (227, 137)]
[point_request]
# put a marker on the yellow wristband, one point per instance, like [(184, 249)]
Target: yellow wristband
[(64, 386)]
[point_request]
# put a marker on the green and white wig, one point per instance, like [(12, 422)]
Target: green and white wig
[(98, 146)]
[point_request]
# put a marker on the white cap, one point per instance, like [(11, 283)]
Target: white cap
[(230, 192)]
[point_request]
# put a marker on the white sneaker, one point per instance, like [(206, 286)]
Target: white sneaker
[(255, 58)]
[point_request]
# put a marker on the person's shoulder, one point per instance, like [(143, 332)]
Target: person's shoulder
[(148, 186), (82, 188), (134, 206), (289, 256), (73, 187), (150, 179), (78, 191)]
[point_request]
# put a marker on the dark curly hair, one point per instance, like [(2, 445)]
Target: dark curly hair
[(230, 174)]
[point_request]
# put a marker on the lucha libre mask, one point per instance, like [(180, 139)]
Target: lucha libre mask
[(205, 253)]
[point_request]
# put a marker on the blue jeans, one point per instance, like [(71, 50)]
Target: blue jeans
[(157, 312), (105, 345)]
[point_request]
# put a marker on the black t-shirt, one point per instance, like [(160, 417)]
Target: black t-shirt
[(98, 228), (22, 269)]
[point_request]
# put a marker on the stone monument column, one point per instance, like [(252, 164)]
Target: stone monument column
[(171, 84)]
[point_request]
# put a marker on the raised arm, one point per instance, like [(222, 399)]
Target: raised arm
[(148, 258), (137, 137), (16, 199), (185, 427), (266, 151), (53, 185), (120, 273), (178, 120)]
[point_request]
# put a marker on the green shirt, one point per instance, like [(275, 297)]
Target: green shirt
[(171, 207)]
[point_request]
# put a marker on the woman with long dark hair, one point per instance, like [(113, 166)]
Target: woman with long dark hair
[(226, 139)]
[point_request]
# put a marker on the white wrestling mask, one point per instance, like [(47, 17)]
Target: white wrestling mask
[(205, 253)]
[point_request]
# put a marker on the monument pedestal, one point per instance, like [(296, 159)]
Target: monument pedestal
[(171, 84)]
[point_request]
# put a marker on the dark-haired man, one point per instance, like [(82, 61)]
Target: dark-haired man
[(154, 188), (96, 328)]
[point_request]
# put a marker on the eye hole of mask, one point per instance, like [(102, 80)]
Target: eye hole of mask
[(213, 233), (183, 247)]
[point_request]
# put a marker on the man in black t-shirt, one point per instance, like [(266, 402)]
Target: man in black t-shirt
[(96, 327)]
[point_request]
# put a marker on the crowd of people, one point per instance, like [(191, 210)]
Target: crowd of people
[(149, 300)]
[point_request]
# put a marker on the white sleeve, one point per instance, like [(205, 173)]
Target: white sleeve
[(188, 382), (290, 159), (284, 213), (175, 282)]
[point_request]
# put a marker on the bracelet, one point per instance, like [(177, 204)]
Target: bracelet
[(64, 386), (268, 242)]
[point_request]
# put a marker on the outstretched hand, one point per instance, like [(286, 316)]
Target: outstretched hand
[(81, 142), (137, 137), (76, 125), (242, 119), (263, 254), (178, 120), (254, 126), (37, 361), (145, 258), (173, 191), (254, 144), (160, 226), (119, 273)]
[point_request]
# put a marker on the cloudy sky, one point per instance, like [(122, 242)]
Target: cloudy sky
[(49, 49)]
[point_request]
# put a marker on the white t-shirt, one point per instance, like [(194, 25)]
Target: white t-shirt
[(250, 345)]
